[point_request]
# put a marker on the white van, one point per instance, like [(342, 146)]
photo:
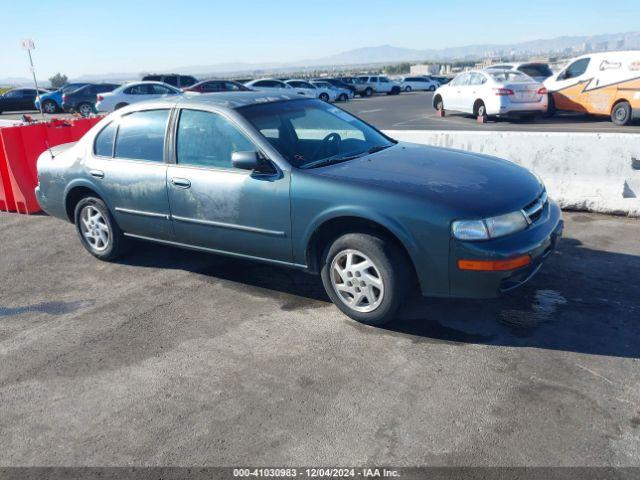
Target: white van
[(605, 83)]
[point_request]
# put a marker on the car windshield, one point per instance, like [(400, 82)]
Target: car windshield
[(312, 133)]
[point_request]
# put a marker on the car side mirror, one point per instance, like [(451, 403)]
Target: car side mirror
[(250, 160)]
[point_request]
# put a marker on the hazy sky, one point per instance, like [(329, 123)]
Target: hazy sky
[(77, 37)]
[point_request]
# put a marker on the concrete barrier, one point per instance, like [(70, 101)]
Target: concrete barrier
[(597, 172)]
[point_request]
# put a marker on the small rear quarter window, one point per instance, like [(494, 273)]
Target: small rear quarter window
[(103, 145)]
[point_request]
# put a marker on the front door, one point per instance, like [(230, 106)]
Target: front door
[(567, 88), (128, 167), (217, 206)]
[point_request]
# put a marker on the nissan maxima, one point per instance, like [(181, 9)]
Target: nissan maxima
[(301, 183)]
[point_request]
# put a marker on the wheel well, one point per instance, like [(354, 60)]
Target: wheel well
[(74, 196), (336, 227), (618, 102)]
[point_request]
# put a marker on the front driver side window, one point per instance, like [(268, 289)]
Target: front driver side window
[(576, 69), (206, 139)]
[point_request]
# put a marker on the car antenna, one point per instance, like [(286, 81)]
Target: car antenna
[(28, 44)]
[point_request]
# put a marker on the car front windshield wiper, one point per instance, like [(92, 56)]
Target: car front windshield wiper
[(339, 159)]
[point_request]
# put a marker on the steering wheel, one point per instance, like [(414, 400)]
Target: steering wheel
[(329, 146)]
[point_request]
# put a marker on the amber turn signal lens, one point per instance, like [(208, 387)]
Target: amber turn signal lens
[(494, 265)]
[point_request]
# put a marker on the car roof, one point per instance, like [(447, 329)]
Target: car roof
[(232, 100)]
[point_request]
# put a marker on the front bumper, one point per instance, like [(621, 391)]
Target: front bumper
[(538, 241)]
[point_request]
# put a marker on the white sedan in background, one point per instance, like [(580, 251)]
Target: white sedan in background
[(418, 83), (324, 94), (488, 93), (341, 94), (278, 86), (133, 93)]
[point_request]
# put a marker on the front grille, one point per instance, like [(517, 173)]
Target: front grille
[(533, 211)]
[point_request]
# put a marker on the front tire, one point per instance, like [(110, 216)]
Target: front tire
[(98, 231), (366, 276), (621, 113), (368, 92), (407, 88), (324, 97)]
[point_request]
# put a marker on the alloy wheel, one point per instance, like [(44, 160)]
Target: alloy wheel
[(95, 229), (49, 107), (357, 281), (85, 110)]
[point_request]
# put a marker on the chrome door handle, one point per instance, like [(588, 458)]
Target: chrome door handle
[(181, 182), (96, 173)]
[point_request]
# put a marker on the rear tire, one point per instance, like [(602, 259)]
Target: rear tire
[(85, 109), (99, 233), (438, 103), (407, 88), (366, 276), (432, 88), (49, 106), (551, 107), (480, 110), (324, 97), (368, 92), (621, 113), (343, 97)]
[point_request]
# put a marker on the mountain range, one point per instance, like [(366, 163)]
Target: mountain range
[(385, 54)]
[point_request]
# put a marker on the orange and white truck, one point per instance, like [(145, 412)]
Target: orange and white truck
[(606, 83)]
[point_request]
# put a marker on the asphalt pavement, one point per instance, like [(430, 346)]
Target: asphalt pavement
[(170, 357), (414, 111)]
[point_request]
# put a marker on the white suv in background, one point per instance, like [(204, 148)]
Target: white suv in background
[(418, 83), (377, 84), (536, 70)]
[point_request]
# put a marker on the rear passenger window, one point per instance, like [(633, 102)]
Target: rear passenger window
[(141, 135), (104, 141), (206, 139)]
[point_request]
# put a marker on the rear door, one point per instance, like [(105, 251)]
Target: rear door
[(129, 169), (217, 206)]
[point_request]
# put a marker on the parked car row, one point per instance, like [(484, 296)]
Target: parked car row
[(606, 84)]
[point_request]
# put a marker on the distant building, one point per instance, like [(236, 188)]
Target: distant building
[(425, 69)]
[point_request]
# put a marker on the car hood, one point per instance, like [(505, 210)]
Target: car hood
[(468, 183)]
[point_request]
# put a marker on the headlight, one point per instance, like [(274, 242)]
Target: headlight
[(493, 227), (470, 230)]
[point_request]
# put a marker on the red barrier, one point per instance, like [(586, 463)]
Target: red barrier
[(20, 147)]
